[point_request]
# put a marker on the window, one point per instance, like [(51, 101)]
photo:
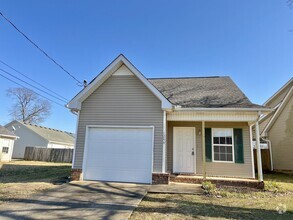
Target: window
[(223, 149), (5, 150)]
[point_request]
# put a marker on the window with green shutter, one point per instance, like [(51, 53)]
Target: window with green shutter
[(238, 145), (208, 142)]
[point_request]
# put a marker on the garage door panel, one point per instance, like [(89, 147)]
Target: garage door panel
[(119, 154), (122, 176)]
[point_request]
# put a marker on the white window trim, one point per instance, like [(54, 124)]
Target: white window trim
[(219, 161)]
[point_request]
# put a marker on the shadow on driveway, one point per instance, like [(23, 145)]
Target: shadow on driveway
[(79, 200)]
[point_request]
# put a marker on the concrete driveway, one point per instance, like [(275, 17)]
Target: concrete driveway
[(79, 200)]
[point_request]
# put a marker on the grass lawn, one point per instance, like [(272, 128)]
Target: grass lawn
[(223, 203), (20, 179)]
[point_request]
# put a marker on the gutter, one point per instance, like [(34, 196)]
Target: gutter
[(9, 136), (263, 110)]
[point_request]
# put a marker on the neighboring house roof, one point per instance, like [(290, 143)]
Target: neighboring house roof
[(203, 92), (288, 84), (279, 108), (4, 132), (50, 134)]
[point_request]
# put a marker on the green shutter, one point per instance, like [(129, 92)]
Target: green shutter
[(238, 145), (208, 141)]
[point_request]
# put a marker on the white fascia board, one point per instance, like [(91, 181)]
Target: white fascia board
[(263, 110), (9, 136), (279, 91), (62, 143), (75, 103), (278, 112)]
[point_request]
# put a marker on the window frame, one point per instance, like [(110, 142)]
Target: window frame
[(213, 145), (4, 152)]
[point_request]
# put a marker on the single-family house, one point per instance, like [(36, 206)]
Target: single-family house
[(134, 129), (277, 127), (39, 136), (7, 139)]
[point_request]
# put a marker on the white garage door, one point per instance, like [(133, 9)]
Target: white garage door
[(121, 154)]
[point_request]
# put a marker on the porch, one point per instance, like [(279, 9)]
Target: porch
[(170, 178), (214, 146)]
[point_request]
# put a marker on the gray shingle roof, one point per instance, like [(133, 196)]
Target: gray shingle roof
[(203, 92), (50, 134), (4, 131)]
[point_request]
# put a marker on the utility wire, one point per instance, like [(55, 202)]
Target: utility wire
[(31, 85), (32, 80), (33, 91), (79, 83)]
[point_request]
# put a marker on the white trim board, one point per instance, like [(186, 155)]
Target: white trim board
[(278, 112), (279, 91)]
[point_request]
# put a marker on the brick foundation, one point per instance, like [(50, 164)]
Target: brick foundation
[(161, 178), (219, 182), (75, 174)]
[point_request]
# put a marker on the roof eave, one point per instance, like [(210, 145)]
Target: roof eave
[(262, 110)]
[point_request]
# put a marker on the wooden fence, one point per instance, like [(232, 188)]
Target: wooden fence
[(266, 159), (48, 154)]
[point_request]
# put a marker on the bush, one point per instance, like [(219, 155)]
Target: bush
[(208, 187)]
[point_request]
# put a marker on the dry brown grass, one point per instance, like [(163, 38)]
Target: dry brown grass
[(21, 179)]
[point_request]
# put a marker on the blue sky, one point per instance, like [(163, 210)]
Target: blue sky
[(250, 41)]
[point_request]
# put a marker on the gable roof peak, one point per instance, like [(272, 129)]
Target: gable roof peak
[(75, 103)]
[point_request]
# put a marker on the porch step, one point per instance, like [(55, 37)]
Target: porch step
[(217, 180)]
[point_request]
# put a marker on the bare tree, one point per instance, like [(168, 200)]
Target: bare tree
[(27, 106)]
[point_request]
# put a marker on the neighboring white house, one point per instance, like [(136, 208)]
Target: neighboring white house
[(6, 144), (35, 135)]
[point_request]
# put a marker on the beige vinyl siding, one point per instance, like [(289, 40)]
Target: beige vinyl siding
[(214, 168), (121, 100), (281, 136)]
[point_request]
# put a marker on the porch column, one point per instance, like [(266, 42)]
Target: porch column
[(203, 150), (164, 141), (257, 143), (251, 150)]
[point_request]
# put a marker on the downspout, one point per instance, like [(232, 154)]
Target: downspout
[(164, 141), (251, 151), (257, 142), (76, 130), (204, 172)]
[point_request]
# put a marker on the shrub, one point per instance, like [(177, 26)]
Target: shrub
[(208, 187)]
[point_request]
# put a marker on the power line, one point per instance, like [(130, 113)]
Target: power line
[(31, 85), (79, 83), (32, 80), (33, 91)]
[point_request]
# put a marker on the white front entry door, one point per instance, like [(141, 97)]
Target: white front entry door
[(184, 150)]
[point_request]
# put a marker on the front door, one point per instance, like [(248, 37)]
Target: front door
[(184, 150)]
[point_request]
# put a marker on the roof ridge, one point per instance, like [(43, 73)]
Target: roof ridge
[(40, 126), (189, 77)]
